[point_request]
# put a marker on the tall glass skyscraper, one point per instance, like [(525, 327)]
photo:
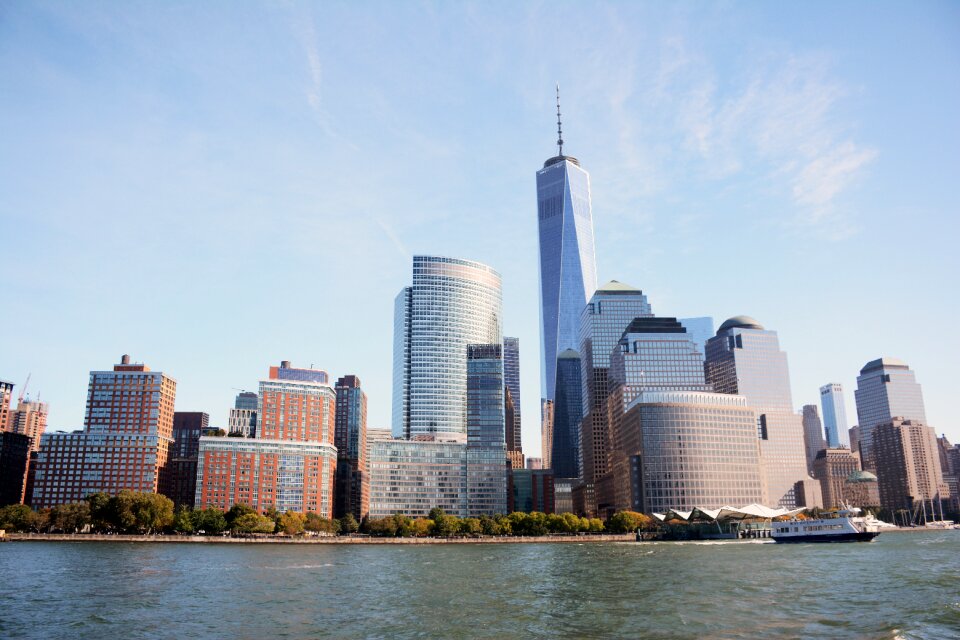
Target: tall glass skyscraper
[(834, 415), (452, 303), (567, 412), (486, 447), (511, 378), (745, 359), (602, 323), (886, 389), (568, 270)]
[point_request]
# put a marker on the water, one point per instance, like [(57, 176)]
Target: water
[(903, 585)]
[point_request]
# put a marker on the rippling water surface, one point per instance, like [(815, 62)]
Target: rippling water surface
[(903, 585)]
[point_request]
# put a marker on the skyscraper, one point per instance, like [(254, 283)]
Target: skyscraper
[(567, 413), (452, 303), (568, 270), (14, 464), (6, 393), (602, 322), (745, 359), (243, 416), (125, 444), (352, 489), (832, 467), (699, 329), (834, 415), (188, 426), (29, 419), (886, 389), (812, 434), (511, 378), (486, 448), (908, 467)]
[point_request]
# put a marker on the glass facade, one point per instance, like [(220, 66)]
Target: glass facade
[(486, 448), (412, 477), (886, 389), (567, 413), (451, 304), (699, 329), (511, 378), (745, 359), (568, 271), (834, 415), (812, 433)]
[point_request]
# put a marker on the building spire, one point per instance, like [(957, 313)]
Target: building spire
[(559, 129)]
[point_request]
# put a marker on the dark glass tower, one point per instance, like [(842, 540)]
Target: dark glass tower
[(568, 410)]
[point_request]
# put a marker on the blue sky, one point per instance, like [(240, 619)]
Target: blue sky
[(212, 188)]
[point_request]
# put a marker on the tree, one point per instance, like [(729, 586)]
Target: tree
[(120, 512), (422, 527), (628, 521), (151, 512), (444, 526), (349, 524), (596, 525), (17, 517), (236, 511), (318, 524), (470, 527), (253, 523), (70, 518), (291, 523), (404, 525), (183, 521), (100, 511)]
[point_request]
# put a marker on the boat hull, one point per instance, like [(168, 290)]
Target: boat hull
[(865, 536)]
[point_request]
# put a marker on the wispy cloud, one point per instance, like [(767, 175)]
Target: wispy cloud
[(307, 35)]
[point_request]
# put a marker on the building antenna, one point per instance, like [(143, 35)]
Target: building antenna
[(559, 130)]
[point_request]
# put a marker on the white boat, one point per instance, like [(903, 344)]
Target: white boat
[(847, 526)]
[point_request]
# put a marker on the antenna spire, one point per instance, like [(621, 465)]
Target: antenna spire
[(559, 129)]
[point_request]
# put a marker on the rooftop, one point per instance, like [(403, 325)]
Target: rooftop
[(884, 363), (618, 287), (740, 322)]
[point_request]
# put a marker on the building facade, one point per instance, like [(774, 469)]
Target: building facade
[(414, 476), (531, 490), (352, 488), (486, 447), (511, 379), (125, 443), (834, 415), (6, 396), (242, 420), (886, 389), (29, 419), (745, 359), (832, 467), (188, 427), (14, 464), (603, 320), (908, 467), (812, 434), (451, 303), (567, 414), (291, 463)]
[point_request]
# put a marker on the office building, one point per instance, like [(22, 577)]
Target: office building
[(14, 464), (886, 389), (6, 395), (699, 330), (534, 464), (950, 467), (908, 467), (511, 378), (188, 427), (352, 488), (862, 490), (832, 467), (603, 320), (414, 476), (242, 420), (834, 415), (29, 419), (125, 444), (745, 359), (486, 447), (451, 303), (531, 490), (546, 432), (812, 434), (568, 270), (567, 413), (291, 463)]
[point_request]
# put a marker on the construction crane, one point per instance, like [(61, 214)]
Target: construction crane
[(23, 390)]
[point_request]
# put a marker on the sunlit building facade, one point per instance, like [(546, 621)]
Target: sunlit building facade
[(908, 467), (886, 389), (812, 434), (511, 379), (412, 477), (29, 419), (242, 420), (745, 359), (834, 415), (451, 303), (486, 448)]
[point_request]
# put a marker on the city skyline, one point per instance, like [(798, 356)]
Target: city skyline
[(158, 171)]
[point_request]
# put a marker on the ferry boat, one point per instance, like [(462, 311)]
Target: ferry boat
[(847, 526)]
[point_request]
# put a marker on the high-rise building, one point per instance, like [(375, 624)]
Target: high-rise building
[(188, 426), (908, 467), (567, 413), (14, 464), (352, 488), (699, 329), (125, 443), (531, 490), (486, 448), (6, 395), (832, 467), (414, 476), (950, 466), (29, 419), (603, 320), (511, 377), (812, 434), (745, 359), (834, 415), (291, 463), (886, 389), (452, 303), (568, 269), (546, 432), (243, 416)]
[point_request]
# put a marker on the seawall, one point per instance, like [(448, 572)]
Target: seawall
[(93, 537)]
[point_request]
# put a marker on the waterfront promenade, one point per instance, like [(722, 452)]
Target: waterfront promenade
[(96, 537)]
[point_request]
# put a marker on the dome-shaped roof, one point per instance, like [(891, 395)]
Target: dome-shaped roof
[(740, 322), (861, 476)]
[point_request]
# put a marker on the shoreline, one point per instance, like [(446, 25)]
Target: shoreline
[(175, 539)]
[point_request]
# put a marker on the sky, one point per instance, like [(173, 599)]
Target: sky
[(215, 187)]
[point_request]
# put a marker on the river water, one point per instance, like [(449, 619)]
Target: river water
[(903, 585)]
